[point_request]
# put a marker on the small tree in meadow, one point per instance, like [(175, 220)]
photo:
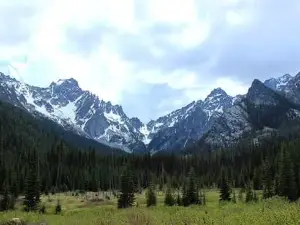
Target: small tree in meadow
[(234, 197), (249, 193), (32, 189), (203, 198), (179, 200), (151, 196), (169, 199), (126, 198), (225, 191), (58, 208), (267, 179), (240, 196)]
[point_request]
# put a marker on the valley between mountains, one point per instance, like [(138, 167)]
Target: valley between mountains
[(219, 120)]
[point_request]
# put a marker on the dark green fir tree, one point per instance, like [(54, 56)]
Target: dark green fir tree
[(32, 189), (151, 196), (126, 198), (287, 184), (169, 199), (267, 180), (225, 190), (4, 199)]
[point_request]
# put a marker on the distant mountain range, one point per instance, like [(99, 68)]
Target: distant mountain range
[(219, 119)]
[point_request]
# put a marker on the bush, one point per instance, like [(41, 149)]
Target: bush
[(150, 197), (42, 210), (179, 200), (169, 199), (15, 221), (58, 208)]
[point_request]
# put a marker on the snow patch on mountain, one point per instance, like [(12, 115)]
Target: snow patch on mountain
[(278, 84), (222, 117)]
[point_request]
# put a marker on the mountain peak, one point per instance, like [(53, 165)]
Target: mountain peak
[(260, 94), (66, 82), (216, 93), (286, 76), (297, 75), (279, 83), (257, 82)]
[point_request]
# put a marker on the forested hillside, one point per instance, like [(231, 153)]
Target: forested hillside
[(62, 167), (23, 136)]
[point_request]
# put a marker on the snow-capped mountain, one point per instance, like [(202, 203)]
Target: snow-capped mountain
[(219, 119), (259, 113), (84, 113), (278, 84), (67, 104), (286, 85), (187, 125)]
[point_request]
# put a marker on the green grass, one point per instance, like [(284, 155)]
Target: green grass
[(81, 210)]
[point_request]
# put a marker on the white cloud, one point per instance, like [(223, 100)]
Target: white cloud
[(194, 46)]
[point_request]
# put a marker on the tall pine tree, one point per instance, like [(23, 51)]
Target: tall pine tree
[(267, 179), (287, 184), (225, 190), (191, 195), (169, 199), (4, 199), (32, 189), (150, 196), (126, 198)]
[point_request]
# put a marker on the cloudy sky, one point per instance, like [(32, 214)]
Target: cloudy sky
[(150, 56)]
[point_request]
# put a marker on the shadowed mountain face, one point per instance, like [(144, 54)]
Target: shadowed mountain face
[(261, 112), (219, 119)]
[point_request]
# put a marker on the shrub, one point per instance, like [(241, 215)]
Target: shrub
[(58, 208), (42, 210)]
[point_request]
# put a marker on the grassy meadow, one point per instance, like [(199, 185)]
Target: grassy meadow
[(91, 210)]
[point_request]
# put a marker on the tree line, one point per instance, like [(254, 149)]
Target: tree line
[(34, 161)]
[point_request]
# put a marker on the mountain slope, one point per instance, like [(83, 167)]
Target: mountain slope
[(80, 111), (261, 112), (278, 84), (185, 126), (219, 119), (41, 133)]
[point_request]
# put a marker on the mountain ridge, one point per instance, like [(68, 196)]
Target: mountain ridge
[(86, 114)]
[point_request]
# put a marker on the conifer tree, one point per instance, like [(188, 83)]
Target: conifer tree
[(191, 196), (32, 190), (151, 196), (276, 183), (169, 199), (234, 197), (184, 199), (267, 179), (225, 191), (203, 198), (179, 200), (15, 188), (240, 196), (126, 198), (256, 179), (249, 193), (287, 184), (255, 197), (5, 200)]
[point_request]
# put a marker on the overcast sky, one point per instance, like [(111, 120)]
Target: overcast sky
[(150, 56)]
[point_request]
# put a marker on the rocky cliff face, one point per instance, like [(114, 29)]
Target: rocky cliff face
[(187, 125), (260, 112)]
